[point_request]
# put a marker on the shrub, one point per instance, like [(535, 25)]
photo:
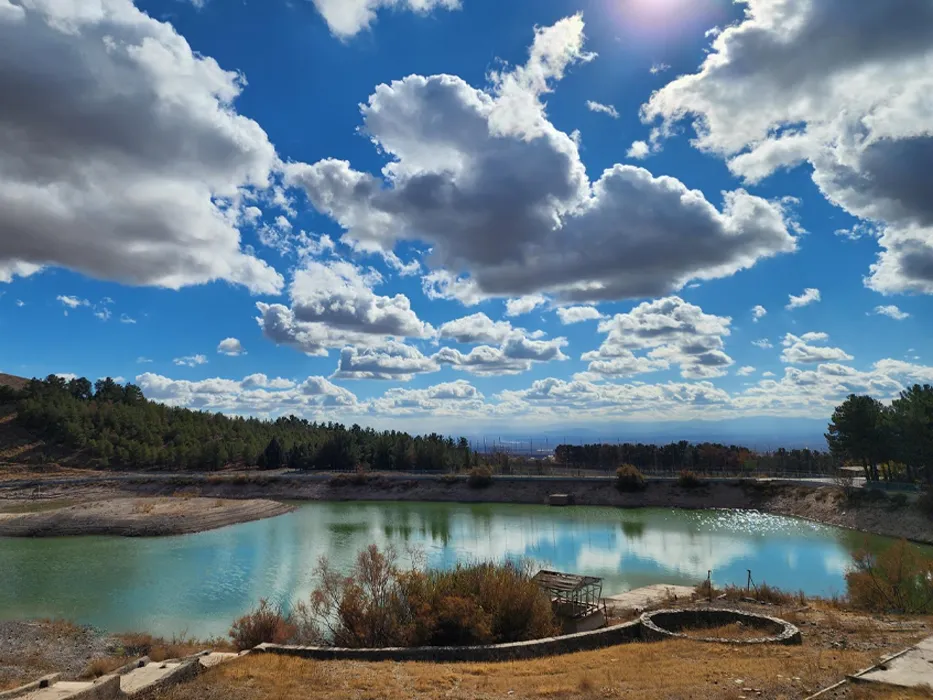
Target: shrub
[(449, 479), (356, 478), (262, 625), (629, 479), (479, 478), (897, 580), (379, 605), (689, 480), (101, 666)]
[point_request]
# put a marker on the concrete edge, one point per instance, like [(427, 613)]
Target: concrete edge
[(103, 688), (859, 676), (131, 666), (550, 646), (37, 684), (789, 633), (189, 668)]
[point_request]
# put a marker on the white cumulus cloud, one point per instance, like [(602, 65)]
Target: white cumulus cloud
[(577, 314), (844, 88), (891, 311), (672, 331), (503, 198), (332, 305), (230, 347), (190, 360), (346, 18), (122, 155), (802, 350), (602, 109), (809, 296)]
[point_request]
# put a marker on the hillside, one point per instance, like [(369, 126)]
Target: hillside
[(16, 443), (105, 424), (13, 381)]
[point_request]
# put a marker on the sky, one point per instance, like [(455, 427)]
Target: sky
[(471, 215)]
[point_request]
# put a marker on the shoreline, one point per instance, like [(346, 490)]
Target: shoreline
[(823, 504), (139, 517)]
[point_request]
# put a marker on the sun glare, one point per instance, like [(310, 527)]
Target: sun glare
[(659, 17)]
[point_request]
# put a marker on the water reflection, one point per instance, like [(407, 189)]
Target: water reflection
[(199, 583)]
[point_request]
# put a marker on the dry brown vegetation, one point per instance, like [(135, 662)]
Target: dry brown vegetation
[(135, 645), (380, 605), (666, 670), (734, 630), (629, 479), (103, 665), (898, 580)]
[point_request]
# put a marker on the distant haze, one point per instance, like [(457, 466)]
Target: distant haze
[(756, 433)]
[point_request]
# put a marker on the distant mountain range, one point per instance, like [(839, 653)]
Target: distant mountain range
[(760, 433)]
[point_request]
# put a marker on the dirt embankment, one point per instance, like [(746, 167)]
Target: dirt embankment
[(195, 500), (824, 504), (138, 517)]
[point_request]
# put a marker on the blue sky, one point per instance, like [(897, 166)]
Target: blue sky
[(253, 207)]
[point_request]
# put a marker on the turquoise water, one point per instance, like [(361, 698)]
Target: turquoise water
[(199, 583)]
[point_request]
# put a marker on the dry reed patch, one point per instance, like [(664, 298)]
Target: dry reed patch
[(673, 669)]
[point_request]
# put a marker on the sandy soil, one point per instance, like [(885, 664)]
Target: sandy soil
[(136, 517)]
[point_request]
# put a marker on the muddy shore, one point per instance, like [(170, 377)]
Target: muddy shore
[(255, 496), (138, 517)]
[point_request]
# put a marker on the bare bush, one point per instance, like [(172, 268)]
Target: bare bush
[(629, 479), (264, 625), (479, 478), (898, 580), (689, 480), (380, 605)]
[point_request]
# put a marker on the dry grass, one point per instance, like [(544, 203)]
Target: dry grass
[(63, 628), (672, 670), (102, 665), (160, 649), (735, 630), (836, 643)]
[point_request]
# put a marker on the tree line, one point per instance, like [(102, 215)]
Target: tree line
[(113, 425), (704, 457), (891, 443)]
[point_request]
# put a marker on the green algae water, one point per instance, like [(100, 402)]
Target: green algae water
[(199, 583)]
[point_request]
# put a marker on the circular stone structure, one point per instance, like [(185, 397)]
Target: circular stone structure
[(667, 624)]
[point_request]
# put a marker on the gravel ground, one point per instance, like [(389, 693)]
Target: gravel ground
[(30, 649)]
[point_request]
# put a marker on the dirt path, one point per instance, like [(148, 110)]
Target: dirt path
[(137, 517)]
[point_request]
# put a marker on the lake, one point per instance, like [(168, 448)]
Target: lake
[(199, 583)]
